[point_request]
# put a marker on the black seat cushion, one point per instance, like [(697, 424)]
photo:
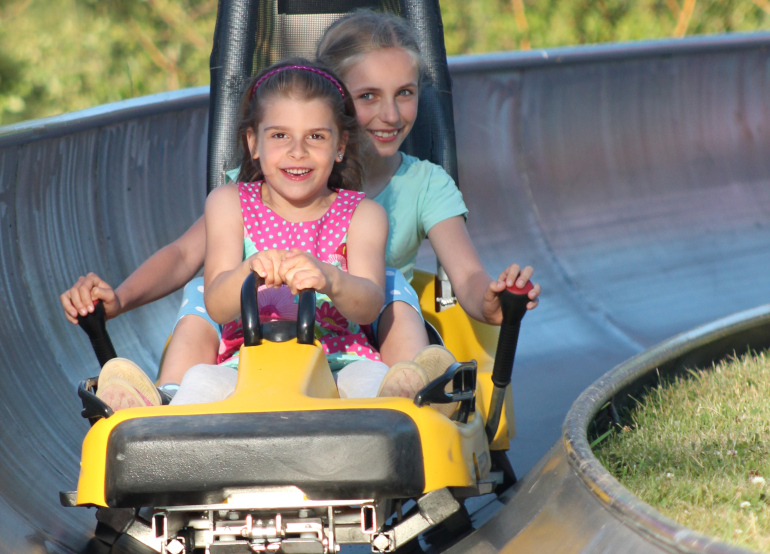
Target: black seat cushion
[(335, 454)]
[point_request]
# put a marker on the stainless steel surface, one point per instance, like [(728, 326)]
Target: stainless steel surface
[(99, 191), (633, 177), (639, 189)]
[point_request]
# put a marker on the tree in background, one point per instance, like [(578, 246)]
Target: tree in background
[(63, 55), (474, 26)]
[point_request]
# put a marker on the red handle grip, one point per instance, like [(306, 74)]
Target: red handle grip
[(521, 291)]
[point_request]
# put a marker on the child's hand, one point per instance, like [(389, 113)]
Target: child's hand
[(266, 264), (302, 271), (511, 276), (81, 297)]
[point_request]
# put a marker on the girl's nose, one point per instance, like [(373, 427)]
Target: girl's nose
[(297, 150), (389, 112)]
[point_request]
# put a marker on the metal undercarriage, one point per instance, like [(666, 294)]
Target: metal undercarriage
[(280, 520)]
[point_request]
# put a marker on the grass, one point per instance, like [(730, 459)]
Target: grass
[(696, 449)]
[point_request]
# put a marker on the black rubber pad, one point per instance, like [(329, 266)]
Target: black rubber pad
[(182, 460)]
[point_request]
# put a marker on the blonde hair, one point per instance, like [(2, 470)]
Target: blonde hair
[(355, 35)]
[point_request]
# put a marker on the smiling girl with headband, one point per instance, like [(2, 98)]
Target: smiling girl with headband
[(296, 218)]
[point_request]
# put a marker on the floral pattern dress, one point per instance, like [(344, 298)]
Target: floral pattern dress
[(326, 238)]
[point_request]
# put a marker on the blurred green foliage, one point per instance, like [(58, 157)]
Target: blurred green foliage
[(473, 26), (63, 55)]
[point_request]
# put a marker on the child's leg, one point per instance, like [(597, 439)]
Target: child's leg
[(193, 342), (195, 339), (360, 379), (400, 329), (401, 333), (206, 383), (370, 379), (404, 343)]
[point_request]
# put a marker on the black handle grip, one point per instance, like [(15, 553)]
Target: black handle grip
[(306, 317), (95, 326), (514, 304), (252, 331)]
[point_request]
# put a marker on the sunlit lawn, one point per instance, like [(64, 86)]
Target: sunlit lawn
[(697, 450)]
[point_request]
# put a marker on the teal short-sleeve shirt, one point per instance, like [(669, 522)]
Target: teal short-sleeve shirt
[(420, 195)]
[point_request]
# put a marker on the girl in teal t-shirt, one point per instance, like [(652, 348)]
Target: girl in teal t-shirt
[(378, 58)]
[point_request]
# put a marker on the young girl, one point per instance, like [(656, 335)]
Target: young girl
[(378, 57), (296, 219)]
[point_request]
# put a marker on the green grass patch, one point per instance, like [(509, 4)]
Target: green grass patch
[(696, 449)]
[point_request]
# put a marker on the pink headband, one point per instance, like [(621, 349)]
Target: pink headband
[(303, 67)]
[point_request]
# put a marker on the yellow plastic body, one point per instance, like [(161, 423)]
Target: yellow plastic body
[(283, 377), (469, 339)]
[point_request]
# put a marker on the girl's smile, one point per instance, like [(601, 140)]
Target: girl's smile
[(296, 173), (384, 136), (384, 86)]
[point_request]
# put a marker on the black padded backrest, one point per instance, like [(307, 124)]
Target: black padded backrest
[(252, 34)]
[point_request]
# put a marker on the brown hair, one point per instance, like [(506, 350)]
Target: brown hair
[(353, 36), (307, 81)]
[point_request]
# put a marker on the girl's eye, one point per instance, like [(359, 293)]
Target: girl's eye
[(317, 136), (279, 135), (405, 92), (367, 96)]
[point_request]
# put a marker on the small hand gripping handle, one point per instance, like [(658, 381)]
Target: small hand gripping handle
[(514, 302), (95, 326)]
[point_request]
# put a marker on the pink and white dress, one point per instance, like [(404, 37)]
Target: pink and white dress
[(326, 238)]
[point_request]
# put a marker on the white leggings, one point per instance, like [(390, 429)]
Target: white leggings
[(211, 383)]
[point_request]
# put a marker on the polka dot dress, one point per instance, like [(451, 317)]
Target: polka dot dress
[(326, 238)]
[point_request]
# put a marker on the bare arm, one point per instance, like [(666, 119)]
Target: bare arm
[(166, 271), (224, 270), (359, 293), (476, 291)]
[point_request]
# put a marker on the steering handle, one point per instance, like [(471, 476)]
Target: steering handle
[(253, 331), (514, 302), (95, 326)]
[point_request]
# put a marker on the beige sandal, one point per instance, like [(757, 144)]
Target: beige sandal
[(435, 360), (123, 384), (404, 380)]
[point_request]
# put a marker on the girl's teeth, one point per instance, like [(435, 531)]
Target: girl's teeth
[(297, 171), (385, 134)]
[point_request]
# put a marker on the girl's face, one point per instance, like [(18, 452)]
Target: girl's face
[(297, 143), (384, 86)]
